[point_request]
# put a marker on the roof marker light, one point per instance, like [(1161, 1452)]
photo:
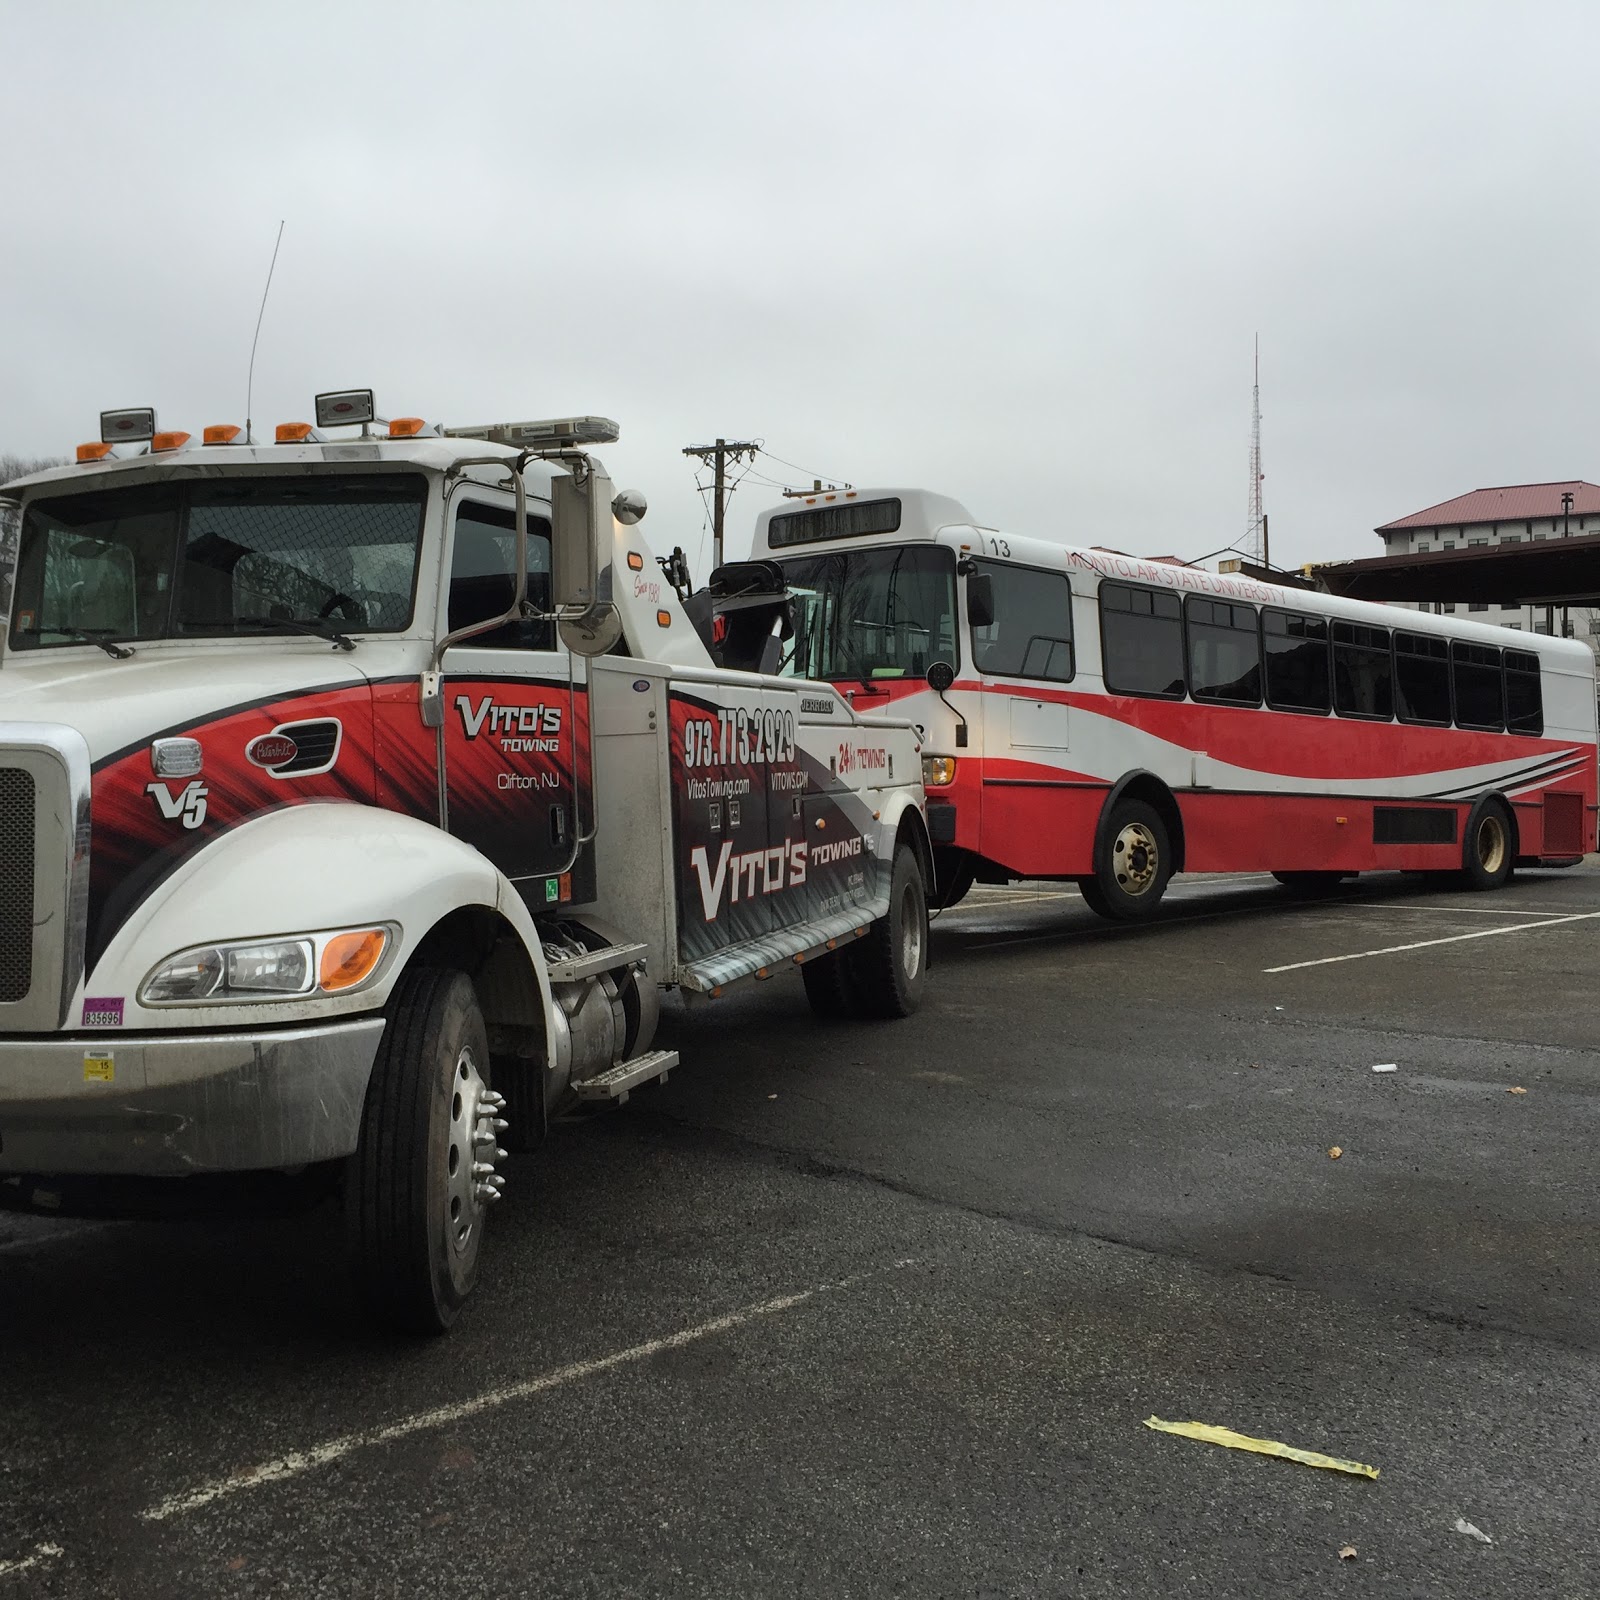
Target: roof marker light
[(97, 451), (222, 433), (341, 406), (295, 432), (174, 440), (131, 425), (406, 427)]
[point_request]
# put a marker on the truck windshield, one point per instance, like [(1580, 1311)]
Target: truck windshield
[(872, 614), (229, 555)]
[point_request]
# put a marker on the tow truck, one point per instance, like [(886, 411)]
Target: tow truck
[(360, 794)]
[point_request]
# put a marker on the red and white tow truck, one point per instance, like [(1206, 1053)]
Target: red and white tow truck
[(360, 793)]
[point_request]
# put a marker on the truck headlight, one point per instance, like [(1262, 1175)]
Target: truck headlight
[(269, 969), (937, 771)]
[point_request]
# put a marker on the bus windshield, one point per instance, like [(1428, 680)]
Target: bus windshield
[(873, 614), (223, 555)]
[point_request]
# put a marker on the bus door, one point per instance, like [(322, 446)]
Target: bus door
[(1024, 656)]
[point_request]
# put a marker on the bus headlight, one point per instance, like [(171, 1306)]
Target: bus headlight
[(269, 969), (937, 771)]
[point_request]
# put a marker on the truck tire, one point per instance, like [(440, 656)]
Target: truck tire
[(1131, 866), (891, 962), (831, 986), (414, 1207), (1486, 852)]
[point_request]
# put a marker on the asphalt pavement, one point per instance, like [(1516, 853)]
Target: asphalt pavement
[(882, 1309)]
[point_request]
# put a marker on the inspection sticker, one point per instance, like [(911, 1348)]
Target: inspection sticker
[(99, 1068), (103, 1013)]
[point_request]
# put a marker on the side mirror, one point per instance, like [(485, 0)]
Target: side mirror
[(940, 676), (980, 599), (580, 513)]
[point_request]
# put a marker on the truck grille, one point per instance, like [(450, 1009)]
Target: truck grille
[(17, 812)]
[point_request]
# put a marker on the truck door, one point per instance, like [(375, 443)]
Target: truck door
[(516, 735)]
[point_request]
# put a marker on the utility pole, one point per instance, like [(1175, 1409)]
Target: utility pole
[(716, 456)]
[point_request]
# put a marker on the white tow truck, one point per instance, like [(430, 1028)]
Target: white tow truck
[(360, 793)]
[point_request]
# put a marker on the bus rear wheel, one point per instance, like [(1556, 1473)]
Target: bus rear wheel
[(1132, 865), (1487, 857)]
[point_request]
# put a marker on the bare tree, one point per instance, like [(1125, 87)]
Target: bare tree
[(15, 466)]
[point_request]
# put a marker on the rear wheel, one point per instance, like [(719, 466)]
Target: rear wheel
[(890, 965), (831, 985), (1132, 866), (1486, 854), (419, 1186)]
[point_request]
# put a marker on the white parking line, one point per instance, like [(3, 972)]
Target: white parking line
[(1472, 911), (1424, 944), (297, 1462), (41, 1554)]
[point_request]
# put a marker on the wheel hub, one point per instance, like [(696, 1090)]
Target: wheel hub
[(474, 1148), (910, 935), (1135, 859)]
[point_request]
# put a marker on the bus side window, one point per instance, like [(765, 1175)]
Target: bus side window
[(1141, 640), (1475, 669), (1524, 704), (1031, 635), (1422, 678), (1224, 652), (1297, 661), (1363, 671)]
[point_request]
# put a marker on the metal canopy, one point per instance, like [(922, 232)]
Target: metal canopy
[(1547, 572)]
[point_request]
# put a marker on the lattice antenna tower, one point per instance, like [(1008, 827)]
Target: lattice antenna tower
[(1255, 535)]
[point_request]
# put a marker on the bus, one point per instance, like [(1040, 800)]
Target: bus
[(1096, 717)]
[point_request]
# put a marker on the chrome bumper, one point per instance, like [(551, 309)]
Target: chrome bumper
[(180, 1103)]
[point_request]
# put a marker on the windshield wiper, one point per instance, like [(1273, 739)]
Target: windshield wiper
[(97, 636), (320, 629)]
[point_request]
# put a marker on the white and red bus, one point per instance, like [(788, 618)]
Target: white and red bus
[(1097, 717)]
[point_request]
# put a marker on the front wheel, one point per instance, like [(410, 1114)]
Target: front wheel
[(1486, 854), (890, 964), (419, 1186), (1132, 866)]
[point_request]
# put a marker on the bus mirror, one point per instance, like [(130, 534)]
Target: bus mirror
[(940, 676), (980, 599)]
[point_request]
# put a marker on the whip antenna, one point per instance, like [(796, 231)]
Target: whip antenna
[(250, 383)]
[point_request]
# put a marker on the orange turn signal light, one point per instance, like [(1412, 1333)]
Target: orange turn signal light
[(222, 433), (635, 561), (406, 427), (168, 441), (293, 432), (347, 958), (97, 451), (663, 619)]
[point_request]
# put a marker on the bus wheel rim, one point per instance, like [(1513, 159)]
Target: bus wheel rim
[(910, 934), (1135, 859), (1491, 844)]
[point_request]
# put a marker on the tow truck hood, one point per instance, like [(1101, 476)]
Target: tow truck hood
[(115, 704)]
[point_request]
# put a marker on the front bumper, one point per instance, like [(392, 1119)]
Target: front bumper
[(173, 1104)]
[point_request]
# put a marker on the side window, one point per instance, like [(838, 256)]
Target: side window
[(1031, 635), (1297, 661), (1480, 701), (1141, 640), (1363, 674), (1224, 652), (1524, 704), (482, 577), (1422, 678)]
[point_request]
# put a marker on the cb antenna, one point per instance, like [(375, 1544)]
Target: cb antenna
[(250, 382)]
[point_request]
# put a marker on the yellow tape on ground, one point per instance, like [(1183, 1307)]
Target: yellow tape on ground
[(1264, 1447)]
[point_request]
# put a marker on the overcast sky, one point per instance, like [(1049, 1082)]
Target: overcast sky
[(1014, 253)]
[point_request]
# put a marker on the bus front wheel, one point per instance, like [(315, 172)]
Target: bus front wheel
[(1132, 864)]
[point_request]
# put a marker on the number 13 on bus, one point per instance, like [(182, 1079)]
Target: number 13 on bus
[(1109, 720)]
